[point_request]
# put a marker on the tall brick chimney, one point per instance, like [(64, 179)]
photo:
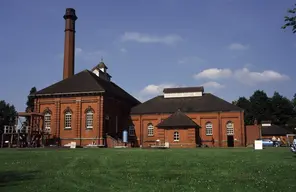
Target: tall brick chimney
[(69, 49)]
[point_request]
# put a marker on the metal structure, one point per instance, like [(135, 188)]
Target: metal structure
[(27, 135)]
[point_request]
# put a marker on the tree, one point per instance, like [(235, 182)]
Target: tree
[(7, 114), (294, 103), (30, 101), (282, 109), (260, 106), (245, 104), (290, 20)]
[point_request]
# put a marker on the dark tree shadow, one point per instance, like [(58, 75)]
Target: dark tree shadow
[(12, 178)]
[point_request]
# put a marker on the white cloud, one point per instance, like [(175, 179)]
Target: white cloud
[(152, 90), (213, 84), (156, 89), (123, 50), (88, 55), (238, 46), (248, 77), (193, 59), (78, 51), (243, 75), (146, 38), (213, 73)]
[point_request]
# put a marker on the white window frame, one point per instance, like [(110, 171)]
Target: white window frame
[(176, 136), (68, 120), (89, 118), (150, 130), (209, 129), (230, 128), (131, 130), (47, 121)]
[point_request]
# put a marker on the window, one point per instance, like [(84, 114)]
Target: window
[(230, 128), (68, 119), (176, 136), (131, 130), (209, 128), (89, 119), (47, 119), (150, 129)]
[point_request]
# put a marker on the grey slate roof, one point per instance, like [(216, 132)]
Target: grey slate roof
[(274, 130), (85, 82), (177, 119), (205, 103)]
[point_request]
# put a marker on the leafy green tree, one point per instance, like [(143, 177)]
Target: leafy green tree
[(30, 104), (290, 21), (30, 101), (294, 103), (7, 114), (282, 109), (245, 104), (260, 106)]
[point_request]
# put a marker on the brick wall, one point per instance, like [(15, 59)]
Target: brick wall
[(102, 107), (252, 133), (78, 106), (218, 120)]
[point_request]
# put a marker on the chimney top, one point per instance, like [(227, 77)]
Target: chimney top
[(70, 14)]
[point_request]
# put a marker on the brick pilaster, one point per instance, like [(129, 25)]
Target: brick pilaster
[(101, 120), (58, 117), (78, 119)]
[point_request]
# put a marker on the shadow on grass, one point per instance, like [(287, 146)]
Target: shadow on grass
[(12, 178)]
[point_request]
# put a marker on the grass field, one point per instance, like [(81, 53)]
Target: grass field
[(147, 170)]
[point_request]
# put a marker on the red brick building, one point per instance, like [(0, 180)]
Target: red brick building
[(187, 117), (87, 106)]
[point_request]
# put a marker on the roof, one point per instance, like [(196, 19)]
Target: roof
[(183, 89), (205, 103), (178, 119), (274, 130), (85, 82), (100, 65)]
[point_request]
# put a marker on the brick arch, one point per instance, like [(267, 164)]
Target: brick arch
[(89, 109), (229, 122), (47, 110), (68, 109)]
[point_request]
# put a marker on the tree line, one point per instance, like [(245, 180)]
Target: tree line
[(278, 109)]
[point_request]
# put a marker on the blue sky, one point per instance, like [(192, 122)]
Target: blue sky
[(232, 47)]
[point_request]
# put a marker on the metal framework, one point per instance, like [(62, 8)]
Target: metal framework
[(32, 135)]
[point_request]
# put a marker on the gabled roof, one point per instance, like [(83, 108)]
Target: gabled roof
[(205, 103), (274, 130), (177, 119), (85, 82), (100, 65)]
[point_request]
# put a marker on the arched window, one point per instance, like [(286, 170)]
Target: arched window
[(47, 120), (150, 129), (209, 128), (131, 130), (89, 118), (68, 120), (229, 128), (176, 136)]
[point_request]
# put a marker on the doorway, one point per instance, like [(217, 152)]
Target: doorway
[(230, 141)]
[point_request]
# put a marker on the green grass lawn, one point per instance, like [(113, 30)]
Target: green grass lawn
[(72, 170)]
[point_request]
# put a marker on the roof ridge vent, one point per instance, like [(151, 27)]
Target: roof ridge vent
[(183, 92)]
